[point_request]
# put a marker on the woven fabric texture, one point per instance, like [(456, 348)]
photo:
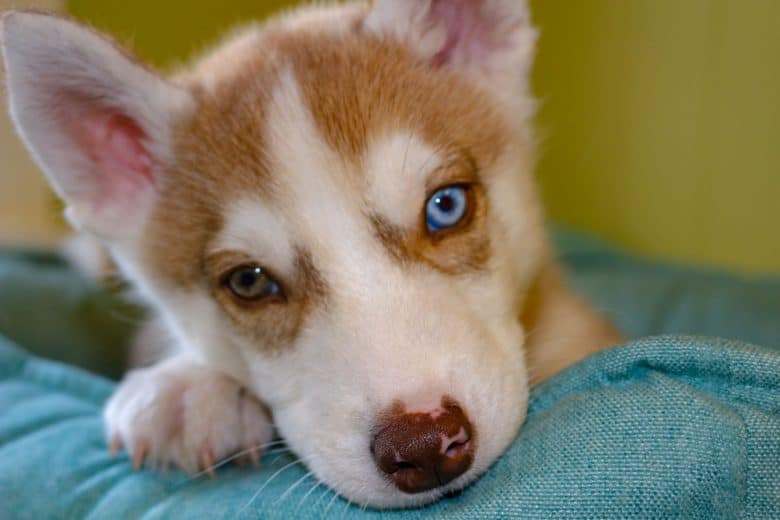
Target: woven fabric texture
[(669, 426)]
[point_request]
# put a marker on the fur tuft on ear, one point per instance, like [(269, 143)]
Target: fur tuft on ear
[(491, 40), (97, 122)]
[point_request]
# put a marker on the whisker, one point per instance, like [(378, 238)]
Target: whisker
[(308, 493), (280, 449), (267, 482), (295, 485), (346, 508), (330, 504), (281, 453), (235, 456), (273, 444), (322, 496), (364, 506)]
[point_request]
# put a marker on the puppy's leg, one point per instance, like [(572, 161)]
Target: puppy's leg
[(152, 344), (182, 413)]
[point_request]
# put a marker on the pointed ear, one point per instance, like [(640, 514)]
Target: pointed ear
[(97, 122), (491, 40)]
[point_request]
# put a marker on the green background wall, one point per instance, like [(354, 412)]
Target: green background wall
[(660, 118)]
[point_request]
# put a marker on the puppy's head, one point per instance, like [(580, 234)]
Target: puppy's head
[(335, 208)]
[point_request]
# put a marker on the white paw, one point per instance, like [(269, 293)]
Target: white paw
[(182, 414)]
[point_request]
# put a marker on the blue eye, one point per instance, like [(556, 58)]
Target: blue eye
[(446, 208), (252, 284)]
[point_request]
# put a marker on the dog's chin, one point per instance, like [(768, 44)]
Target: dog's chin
[(371, 490), (391, 498)]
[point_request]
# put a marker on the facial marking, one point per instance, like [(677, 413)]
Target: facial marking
[(462, 248), (254, 229), (256, 235), (398, 167), (317, 193)]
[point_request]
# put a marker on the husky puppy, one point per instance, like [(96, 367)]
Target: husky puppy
[(334, 218)]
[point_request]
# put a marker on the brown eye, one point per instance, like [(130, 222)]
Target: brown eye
[(252, 284)]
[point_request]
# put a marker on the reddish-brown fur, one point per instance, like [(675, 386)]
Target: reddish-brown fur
[(357, 87)]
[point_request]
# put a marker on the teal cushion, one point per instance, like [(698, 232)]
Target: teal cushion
[(672, 426), (649, 298)]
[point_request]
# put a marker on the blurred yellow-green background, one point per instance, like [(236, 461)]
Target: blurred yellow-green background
[(660, 118)]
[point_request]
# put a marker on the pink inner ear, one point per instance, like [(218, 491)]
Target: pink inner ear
[(121, 164), (472, 31)]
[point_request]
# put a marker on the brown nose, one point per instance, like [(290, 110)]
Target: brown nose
[(422, 451)]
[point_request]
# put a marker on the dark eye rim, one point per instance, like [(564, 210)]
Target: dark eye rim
[(471, 202), (224, 285)]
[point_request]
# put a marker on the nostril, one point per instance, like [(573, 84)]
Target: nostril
[(405, 465), (456, 445), (457, 448)]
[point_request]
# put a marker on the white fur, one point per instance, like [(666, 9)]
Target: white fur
[(406, 21), (184, 414), (312, 177), (253, 227), (399, 166)]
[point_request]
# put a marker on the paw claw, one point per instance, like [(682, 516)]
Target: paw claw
[(169, 431), (254, 457), (139, 455), (116, 445), (207, 459)]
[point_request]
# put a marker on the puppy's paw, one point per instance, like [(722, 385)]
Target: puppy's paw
[(182, 414)]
